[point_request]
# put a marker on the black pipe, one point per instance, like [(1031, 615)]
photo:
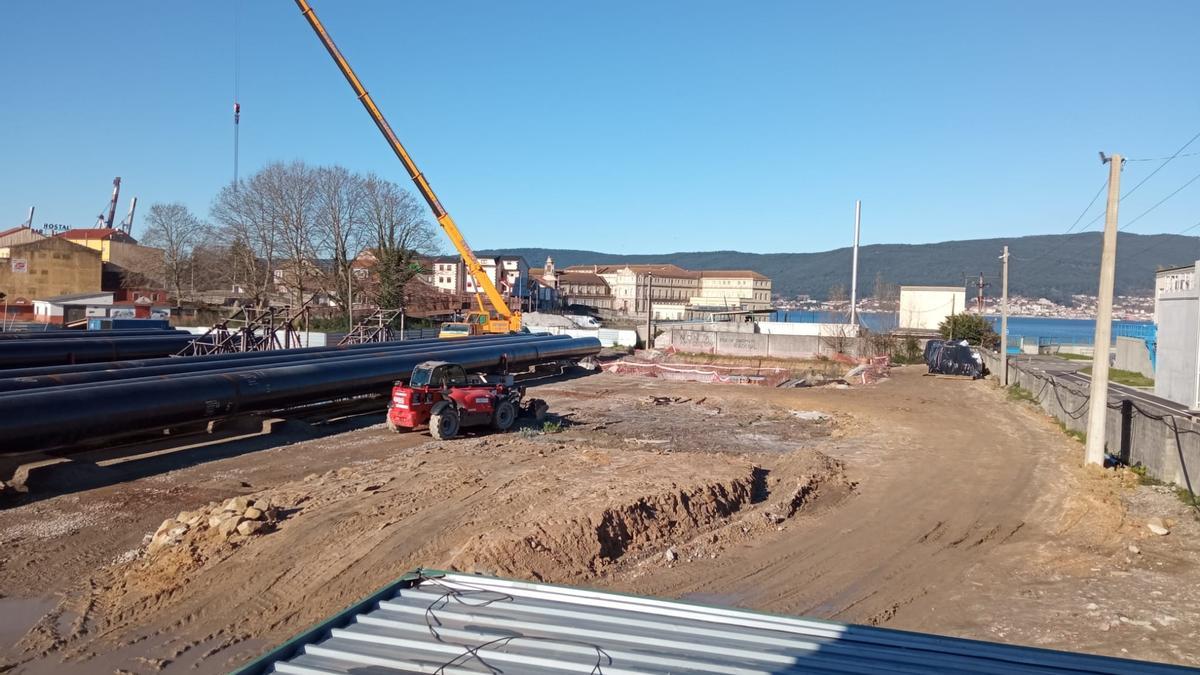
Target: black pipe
[(49, 352), (18, 385), (50, 419), (91, 334), (203, 358)]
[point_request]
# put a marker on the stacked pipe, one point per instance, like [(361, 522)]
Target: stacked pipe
[(42, 349), (68, 413)]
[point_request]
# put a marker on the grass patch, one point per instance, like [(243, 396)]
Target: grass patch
[(1125, 377), (1073, 357), (552, 427), (1181, 493), (1077, 435), (1018, 393)]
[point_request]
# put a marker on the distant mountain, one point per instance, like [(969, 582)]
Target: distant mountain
[(1049, 266)]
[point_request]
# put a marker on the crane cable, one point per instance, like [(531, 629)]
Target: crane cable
[(237, 106)]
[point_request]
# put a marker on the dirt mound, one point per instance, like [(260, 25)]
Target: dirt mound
[(263, 565)]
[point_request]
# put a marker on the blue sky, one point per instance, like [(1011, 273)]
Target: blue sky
[(628, 128)]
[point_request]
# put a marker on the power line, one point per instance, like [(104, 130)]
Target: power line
[(1179, 189), (1160, 166), (1159, 243), (1088, 207), (1159, 159)]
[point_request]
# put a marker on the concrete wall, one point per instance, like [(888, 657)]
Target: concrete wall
[(765, 345), (1178, 347), (1132, 354), (1169, 448), (924, 307), (53, 266)]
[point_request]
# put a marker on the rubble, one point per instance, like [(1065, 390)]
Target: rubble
[(235, 516)]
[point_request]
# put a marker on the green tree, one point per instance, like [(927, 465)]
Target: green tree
[(973, 328)]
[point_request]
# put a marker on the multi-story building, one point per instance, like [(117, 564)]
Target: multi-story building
[(1170, 280), (446, 273), (584, 288), (737, 289), (671, 291)]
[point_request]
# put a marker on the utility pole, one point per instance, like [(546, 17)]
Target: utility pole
[(951, 317), (1098, 402), (649, 311), (854, 264), (29, 220), (980, 285), (1004, 319)]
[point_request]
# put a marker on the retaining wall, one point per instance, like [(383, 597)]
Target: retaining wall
[(1169, 447), (1132, 354)]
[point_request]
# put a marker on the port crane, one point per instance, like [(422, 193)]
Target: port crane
[(500, 318)]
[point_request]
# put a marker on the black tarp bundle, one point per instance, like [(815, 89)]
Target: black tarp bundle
[(953, 358)]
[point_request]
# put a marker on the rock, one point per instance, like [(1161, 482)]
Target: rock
[(1134, 549), (841, 385), (249, 527), (191, 518), (237, 504), (228, 525), (166, 525), (253, 513), (1091, 607), (1105, 627), (215, 520), (1157, 526), (262, 504), (671, 555)]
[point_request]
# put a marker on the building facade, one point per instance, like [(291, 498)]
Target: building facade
[(740, 289), (49, 267), (669, 291), (1170, 280), (1177, 317), (925, 307)]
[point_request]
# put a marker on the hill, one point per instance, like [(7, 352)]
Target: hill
[(1049, 266)]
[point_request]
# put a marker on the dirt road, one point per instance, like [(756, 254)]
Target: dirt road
[(922, 503)]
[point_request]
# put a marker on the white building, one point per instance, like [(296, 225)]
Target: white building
[(1172, 279), (925, 307), (446, 274), (72, 307), (1177, 315)]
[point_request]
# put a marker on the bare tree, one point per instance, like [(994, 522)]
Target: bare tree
[(837, 293), (173, 229), (398, 232), (250, 234), (339, 229), (290, 194), (887, 294)]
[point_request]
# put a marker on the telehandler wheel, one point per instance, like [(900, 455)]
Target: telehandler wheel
[(443, 424), (536, 408), (504, 416)]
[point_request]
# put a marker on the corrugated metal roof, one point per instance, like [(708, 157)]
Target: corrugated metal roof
[(456, 624)]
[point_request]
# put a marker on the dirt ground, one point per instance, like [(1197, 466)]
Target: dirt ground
[(921, 503)]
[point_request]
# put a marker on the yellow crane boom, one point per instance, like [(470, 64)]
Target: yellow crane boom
[(505, 320)]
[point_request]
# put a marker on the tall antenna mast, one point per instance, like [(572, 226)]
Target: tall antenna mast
[(854, 264)]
